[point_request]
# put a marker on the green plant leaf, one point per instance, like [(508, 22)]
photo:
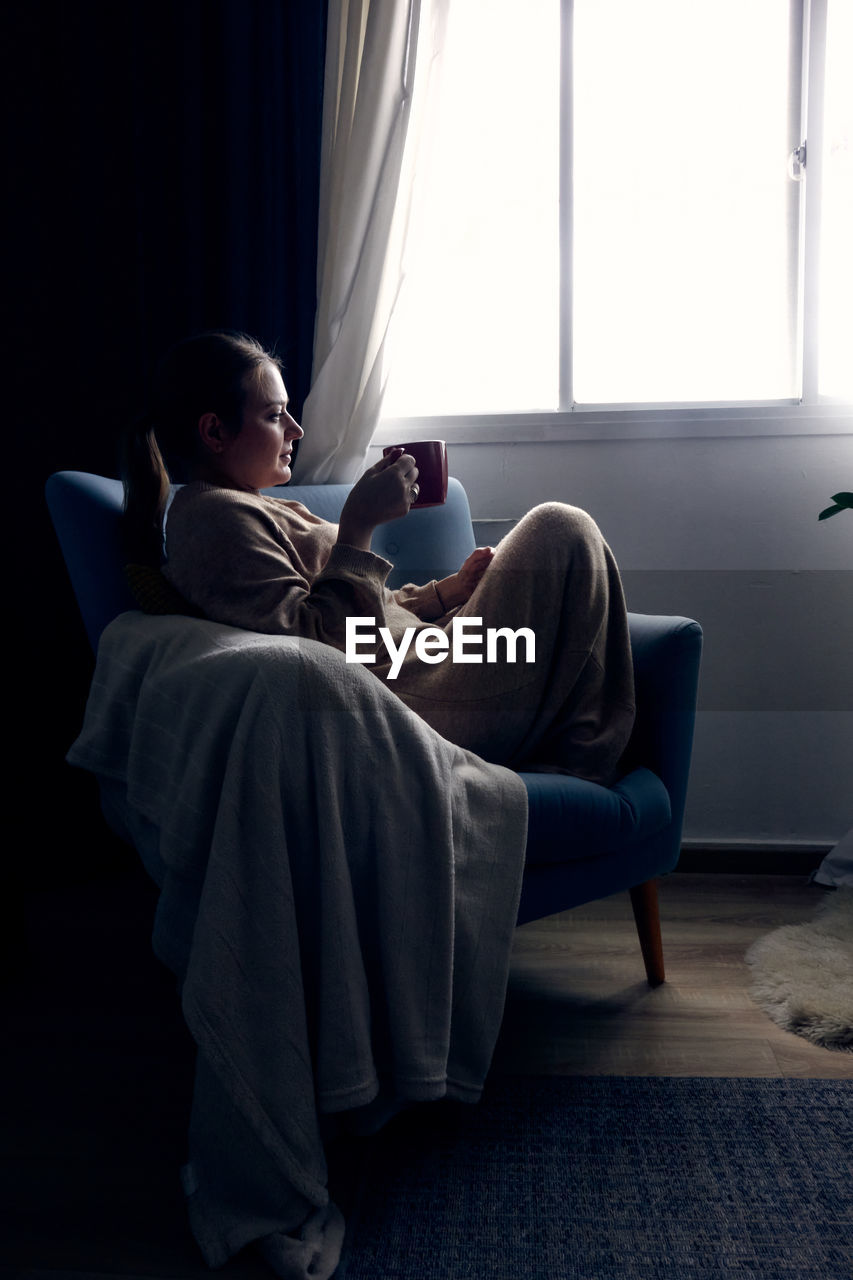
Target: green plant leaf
[(841, 501)]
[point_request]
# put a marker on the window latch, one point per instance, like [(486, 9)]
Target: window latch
[(797, 163)]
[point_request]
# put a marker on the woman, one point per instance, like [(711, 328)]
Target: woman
[(264, 564)]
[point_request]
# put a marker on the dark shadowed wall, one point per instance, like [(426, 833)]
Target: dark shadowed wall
[(163, 178)]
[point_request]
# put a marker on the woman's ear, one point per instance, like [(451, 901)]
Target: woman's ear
[(211, 432)]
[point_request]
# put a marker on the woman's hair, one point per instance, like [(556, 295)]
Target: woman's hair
[(209, 373)]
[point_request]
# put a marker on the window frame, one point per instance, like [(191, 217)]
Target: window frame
[(808, 414)]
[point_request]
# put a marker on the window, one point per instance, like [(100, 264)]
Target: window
[(834, 245), (632, 204)]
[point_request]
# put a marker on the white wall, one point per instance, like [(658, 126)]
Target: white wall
[(724, 531)]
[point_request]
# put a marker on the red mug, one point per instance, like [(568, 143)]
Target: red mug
[(431, 460)]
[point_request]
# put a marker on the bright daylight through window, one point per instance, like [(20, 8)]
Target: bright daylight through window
[(608, 210)]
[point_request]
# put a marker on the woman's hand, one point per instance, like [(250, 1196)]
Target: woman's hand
[(459, 587), (385, 492)]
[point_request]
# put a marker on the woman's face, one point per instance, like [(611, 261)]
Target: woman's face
[(258, 456)]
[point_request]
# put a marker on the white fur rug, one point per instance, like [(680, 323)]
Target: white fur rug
[(803, 974)]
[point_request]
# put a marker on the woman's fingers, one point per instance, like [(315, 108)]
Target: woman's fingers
[(388, 460), (472, 570), (386, 491), (479, 559), (404, 462)]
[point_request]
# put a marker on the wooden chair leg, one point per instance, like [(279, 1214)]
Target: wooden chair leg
[(644, 900)]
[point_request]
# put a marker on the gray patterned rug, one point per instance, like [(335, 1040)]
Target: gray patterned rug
[(599, 1178)]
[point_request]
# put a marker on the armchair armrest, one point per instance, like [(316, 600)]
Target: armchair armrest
[(667, 652)]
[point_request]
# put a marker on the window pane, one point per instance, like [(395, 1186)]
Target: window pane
[(476, 328), (835, 359), (684, 215)]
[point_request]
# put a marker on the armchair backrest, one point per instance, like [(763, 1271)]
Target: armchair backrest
[(430, 542), (86, 513)]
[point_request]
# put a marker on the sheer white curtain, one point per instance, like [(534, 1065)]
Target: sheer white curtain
[(381, 56)]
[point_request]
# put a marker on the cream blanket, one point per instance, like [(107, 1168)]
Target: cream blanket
[(339, 887)]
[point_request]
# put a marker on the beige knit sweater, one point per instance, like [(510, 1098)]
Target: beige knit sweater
[(268, 565)]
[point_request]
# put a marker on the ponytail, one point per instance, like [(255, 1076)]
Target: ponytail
[(205, 373), (146, 493)]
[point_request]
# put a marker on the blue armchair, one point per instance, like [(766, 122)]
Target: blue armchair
[(584, 841)]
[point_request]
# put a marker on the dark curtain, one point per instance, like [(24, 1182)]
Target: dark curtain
[(163, 178)]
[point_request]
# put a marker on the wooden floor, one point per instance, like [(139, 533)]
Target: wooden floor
[(579, 1004), (97, 1071)]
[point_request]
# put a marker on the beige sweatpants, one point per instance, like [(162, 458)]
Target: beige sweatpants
[(572, 709)]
